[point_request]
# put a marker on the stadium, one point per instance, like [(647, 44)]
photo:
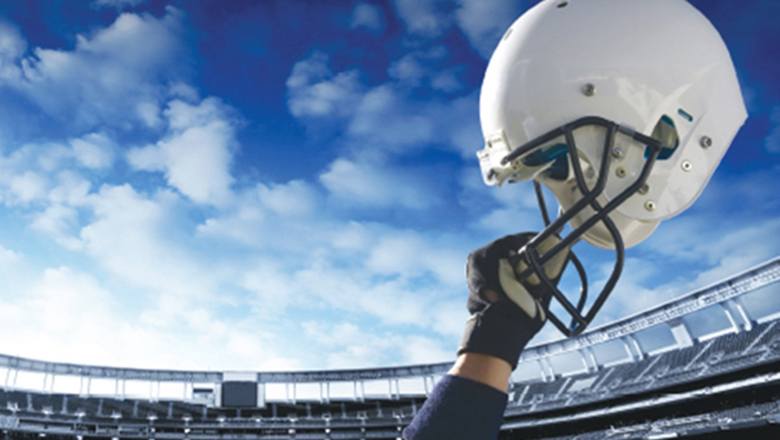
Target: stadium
[(704, 365), (248, 219)]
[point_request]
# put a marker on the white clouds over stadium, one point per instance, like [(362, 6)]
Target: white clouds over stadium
[(155, 216)]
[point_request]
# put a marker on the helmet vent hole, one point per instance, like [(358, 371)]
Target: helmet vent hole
[(685, 115), (563, 3), (665, 133)]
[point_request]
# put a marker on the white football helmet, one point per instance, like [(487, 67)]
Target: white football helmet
[(622, 108)]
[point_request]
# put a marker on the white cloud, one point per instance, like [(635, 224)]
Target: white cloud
[(208, 283), (71, 317), (118, 4), (388, 117), (95, 151), (772, 141), (366, 184), (421, 69), (171, 279), (315, 91), (408, 69), (368, 17), (135, 238), (352, 346), (426, 18), (411, 254), (400, 278), (149, 158), (58, 221), (149, 112), (385, 119), (197, 154), (267, 216), (109, 79), (484, 23), (7, 256), (447, 82), (28, 187), (500, 211), (12, 48), (184, 92), (321, 264), (729, 251), (295, 198)]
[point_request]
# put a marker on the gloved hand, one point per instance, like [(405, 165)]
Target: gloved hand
[(507, 313)]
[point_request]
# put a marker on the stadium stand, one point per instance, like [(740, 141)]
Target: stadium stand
[(667, 372)]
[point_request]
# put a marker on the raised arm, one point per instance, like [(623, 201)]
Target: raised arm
[(469, 402)]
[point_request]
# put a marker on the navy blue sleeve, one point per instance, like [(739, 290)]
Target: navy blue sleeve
[(459, 409)]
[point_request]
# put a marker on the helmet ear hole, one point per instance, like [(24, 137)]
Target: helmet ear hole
[(666, 133)]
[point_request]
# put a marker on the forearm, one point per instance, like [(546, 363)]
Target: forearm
[(483, 368), (459, 409)]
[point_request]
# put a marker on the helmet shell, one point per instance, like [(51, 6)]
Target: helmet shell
[(630, 61)]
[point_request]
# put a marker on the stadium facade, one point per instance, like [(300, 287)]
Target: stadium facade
[(705, 365)]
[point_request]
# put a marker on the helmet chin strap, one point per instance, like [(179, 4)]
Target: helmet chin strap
[(536, 261)]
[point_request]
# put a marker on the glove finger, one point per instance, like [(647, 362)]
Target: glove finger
[(515, 291), (555, 265)]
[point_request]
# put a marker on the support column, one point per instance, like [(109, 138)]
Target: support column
[(550, 368), (584, 361), (747, 320), (730, 316), (640, 353), (681, 333), (541, 370), (627, 347), (592, 357)]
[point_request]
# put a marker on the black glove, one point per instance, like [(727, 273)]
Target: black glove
[(503, 322)]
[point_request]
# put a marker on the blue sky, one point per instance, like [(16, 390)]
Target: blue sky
[(285, 185)]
